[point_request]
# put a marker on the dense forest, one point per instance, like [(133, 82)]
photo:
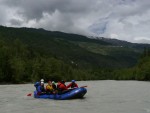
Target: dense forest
[(28, 54)]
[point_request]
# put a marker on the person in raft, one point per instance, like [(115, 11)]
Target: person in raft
[(40, 89), (39, 85), (49, 88), (61, 86), (73, 84)]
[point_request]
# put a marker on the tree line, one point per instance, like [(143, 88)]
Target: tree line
[(141, 71), (20, 64)]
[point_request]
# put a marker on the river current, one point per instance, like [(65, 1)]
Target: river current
[(106, 96)]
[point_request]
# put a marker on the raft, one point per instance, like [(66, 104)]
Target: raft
[(70, 94)]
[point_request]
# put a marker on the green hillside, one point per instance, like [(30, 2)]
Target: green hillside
[(28, 54)]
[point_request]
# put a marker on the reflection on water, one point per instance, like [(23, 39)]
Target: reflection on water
[(102, 97)]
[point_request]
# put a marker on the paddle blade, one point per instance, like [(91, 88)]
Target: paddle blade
[(30, 94)]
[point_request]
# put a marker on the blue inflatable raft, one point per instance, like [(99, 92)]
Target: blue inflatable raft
[(70, 94)]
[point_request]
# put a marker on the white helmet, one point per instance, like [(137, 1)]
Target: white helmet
[(42, 80)]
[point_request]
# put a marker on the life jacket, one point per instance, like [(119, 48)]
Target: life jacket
[(62, 87), (72, 85), (40, 90), (49, 88), (58, 84)]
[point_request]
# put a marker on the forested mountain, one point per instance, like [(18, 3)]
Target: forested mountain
[(28, 54)]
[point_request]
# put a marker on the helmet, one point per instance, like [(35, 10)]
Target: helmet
[(42, 80), (73, 81)]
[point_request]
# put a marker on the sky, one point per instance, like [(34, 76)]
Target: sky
[(121, 19)]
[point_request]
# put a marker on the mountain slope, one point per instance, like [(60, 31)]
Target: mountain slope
[(28, 54), (71, 47)]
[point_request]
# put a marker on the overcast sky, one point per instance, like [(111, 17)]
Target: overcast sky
[(122, 19)]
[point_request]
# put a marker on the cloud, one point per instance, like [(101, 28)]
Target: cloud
[(122, 19)]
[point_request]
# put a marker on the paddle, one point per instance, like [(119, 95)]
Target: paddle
[(83, 86), (30, 94)]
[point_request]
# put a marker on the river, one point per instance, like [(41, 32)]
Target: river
[(106, 96)]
